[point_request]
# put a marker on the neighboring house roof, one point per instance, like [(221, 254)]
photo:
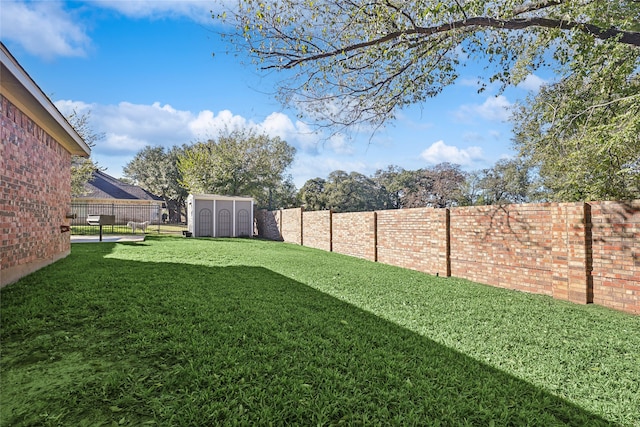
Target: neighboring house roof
[(20, 89), (103, 186)]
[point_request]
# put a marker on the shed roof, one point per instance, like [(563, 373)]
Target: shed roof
[(103, 186), (23, 92), (219, 197)]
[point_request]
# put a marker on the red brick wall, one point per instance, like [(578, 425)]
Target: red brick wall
[(505, 246), (354, 234), (35, 188), (268, 224), (571, 257), (415, 239), (316, 232), (291, 225), (616, 254), (580, 252)]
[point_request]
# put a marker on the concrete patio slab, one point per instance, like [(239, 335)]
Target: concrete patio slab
[(109, 238)]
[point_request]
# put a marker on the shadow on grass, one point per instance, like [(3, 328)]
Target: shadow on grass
[(111, 340)]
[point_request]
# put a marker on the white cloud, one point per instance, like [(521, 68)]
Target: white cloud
[(156, 124), (532, 83), (440, 152), (495, 108), (118, 143), (66, 107), (43, 28), (340, 144), (198, 10), (298, 133), (128, 127), (207, 124), (50, 29)]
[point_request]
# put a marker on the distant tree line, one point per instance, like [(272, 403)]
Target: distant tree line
[(556, 161), (440, 186), (250, 164)]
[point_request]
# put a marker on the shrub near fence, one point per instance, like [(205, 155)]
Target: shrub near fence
[(580, 252)]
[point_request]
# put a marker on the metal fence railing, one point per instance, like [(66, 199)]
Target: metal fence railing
[(151, 217)]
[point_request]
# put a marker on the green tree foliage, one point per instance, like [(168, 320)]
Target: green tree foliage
[(82, 167), (284, 195), (353, 192), (391, 188), (238, 163), (156, 170), (313, 195), (583, 133), (508, 181), (394, 182), (470, 190), (437, 187), (360, 61)]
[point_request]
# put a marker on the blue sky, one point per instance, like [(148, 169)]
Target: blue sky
[(158, 73)]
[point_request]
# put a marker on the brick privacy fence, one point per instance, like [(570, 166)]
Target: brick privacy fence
[(579, 252), (35, 184)]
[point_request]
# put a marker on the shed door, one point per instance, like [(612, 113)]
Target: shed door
[(244, 228), (224, 223), (205, 223)]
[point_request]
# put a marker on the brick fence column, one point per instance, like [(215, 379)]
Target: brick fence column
[(571, 253), (330, 230), (447, 253)]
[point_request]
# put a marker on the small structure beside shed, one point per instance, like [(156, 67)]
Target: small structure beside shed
[(212, 215), (106, 195)]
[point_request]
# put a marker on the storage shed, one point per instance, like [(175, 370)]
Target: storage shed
[(212, 215)]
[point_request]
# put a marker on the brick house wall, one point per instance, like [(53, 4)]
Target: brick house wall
[(36, 145), (35, 187)]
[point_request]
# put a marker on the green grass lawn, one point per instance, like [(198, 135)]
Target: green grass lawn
[(175, 331)]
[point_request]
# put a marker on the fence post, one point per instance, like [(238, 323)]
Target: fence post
[(572, 257), (301, 225), (588, 252), (330, 230), (375, 236), (447, 221)]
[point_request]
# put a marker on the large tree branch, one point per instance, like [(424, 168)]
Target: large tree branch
[(627, 37)]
